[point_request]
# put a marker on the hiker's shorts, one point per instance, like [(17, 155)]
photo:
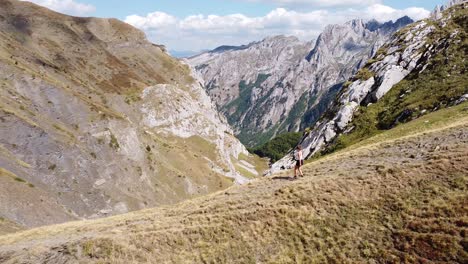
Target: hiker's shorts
[(299, 163)]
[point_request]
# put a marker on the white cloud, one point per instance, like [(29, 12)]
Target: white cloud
[(66, 6), (152, 20), (385, 13), (198, 32)]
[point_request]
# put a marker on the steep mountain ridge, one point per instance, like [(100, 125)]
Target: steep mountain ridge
[(281, 84), (421, 69), (95, 120)]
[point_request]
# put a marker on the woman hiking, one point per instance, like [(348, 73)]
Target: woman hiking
[(298, 157)]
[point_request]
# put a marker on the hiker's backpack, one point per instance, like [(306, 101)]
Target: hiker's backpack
[(296, 155)]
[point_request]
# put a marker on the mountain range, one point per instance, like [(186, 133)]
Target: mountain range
[(281, 84), (419, 70)]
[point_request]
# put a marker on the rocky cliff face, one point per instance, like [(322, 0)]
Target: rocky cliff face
[(435, 47), (95, 120), (438, 11), (281, 84)]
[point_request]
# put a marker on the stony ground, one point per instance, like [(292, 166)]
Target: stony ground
[(400, 200)]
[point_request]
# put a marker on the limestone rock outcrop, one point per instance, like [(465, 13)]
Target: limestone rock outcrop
[(281, 84)]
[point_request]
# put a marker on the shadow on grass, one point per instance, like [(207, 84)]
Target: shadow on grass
[(284, 178)]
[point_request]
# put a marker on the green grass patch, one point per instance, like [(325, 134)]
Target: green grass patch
[(242, 170), (431, 121), (370, 62), (347, 84), (132, 98), (235, 109), (113, 143), (250, 139), (202, 147), (260, 164), (364, 74), (18, 179), (381, 52)]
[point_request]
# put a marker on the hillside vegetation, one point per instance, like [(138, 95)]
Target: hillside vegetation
[(401, 198), (440, 85), (276, 148)]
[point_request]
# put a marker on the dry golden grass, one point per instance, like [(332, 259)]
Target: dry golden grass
[(400, 200)]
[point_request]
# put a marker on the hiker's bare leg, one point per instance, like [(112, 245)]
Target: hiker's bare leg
[(300, 171), (295, 171)]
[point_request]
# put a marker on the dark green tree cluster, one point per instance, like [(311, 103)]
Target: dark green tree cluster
[(278, 147)]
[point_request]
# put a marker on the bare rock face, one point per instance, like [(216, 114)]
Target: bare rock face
[(95, 120), (409, 50), (437, 12), (281, 84)]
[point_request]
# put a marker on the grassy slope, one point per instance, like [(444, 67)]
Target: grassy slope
[(438, 86), (399, 198), (440, 119)]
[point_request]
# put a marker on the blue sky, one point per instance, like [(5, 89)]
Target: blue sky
[(194, 25), (181, 8)]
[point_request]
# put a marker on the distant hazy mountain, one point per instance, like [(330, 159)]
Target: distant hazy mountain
[(282, 84), (183, 53)]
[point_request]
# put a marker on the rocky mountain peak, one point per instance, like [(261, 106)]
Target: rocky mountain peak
[(356, 24), (437, 12), (226, 48), (390, 26), (270, 41), (280, 38), (403, 21), (352, 36), (277, 85)]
